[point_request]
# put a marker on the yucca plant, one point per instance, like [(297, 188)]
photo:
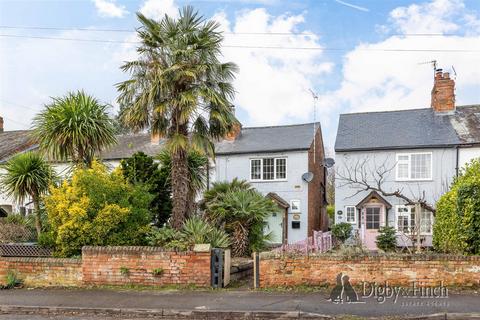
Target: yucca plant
[(27, 175), (179, 89), (74, 127)]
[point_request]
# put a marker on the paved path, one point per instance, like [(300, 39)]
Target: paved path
[(233, 301)]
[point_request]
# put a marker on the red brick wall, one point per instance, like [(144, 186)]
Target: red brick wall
[(103, 265), (43, 272), (397, 270)]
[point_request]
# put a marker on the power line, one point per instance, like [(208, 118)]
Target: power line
[(17, 122), (248, 47), (231, 33), (18, 105)]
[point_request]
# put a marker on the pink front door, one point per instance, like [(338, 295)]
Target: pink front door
[(371, 223)]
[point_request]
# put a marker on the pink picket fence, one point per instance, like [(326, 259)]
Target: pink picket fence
[(319, 242)]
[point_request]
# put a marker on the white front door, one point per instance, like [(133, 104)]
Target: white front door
[(275, 227)]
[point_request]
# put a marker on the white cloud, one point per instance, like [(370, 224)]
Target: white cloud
[(27, 80), (432, 17), (378, 80), (157, 9), (109, 9), (272, 84)]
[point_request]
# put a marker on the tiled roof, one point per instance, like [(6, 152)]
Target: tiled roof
[(414, 128), (129, 144), (12, 142), (251, 140), (269, 139)]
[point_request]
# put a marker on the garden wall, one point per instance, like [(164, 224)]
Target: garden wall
[(149, 266), (43, 272), (136, 265), (276, 270)]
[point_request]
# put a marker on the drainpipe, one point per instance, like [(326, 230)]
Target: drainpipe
[(457, 160)]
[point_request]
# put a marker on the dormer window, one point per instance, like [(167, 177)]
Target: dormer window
[(268, 169)]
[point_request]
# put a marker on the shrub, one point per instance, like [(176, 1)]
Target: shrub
[(386, 239), (17, 228), (331, 213), (97, 208), (457, 220), (342, 231), (12, 280), (142, 169), (195, 231), (242, 211)]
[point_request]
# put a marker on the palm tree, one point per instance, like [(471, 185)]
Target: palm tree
[(197, 174), (180, 90), (243, 213), (74, 127), (27, 175)]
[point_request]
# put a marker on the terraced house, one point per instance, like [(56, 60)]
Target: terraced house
[(408, 154), (273, 159)]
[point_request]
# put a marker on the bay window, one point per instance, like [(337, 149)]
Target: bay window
[(268, 169), (405, 220)]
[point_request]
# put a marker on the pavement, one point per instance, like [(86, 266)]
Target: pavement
[(73, 304)]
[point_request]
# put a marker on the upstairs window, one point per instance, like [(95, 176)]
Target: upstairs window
[(268, 169), (414, 166)]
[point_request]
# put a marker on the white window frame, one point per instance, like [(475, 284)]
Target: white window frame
[(408, 214), (354, 214), (409, 163), (274, 169)]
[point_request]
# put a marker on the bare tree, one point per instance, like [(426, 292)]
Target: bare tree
[(361, 177)]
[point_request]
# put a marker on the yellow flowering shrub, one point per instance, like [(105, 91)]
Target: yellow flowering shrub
[(96, 207)]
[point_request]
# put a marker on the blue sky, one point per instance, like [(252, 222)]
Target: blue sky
[(353, 73)]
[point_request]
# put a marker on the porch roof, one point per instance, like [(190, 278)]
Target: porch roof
[(372, 195), (279, 200)]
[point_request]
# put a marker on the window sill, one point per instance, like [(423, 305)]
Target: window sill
[(261, 181), (413, 180)]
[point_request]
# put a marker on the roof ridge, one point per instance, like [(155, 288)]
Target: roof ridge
[(283, 125), (13, 131), (383, 111), (403, 110)]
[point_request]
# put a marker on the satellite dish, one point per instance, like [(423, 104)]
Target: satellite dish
[(328, 162), (307, 176)]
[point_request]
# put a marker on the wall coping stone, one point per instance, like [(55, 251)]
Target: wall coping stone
[(373, 257), (134, 249), (42, 260)]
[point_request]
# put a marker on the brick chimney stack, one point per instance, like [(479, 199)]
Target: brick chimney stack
[(443, 92), (1, 124), (236, 130)]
